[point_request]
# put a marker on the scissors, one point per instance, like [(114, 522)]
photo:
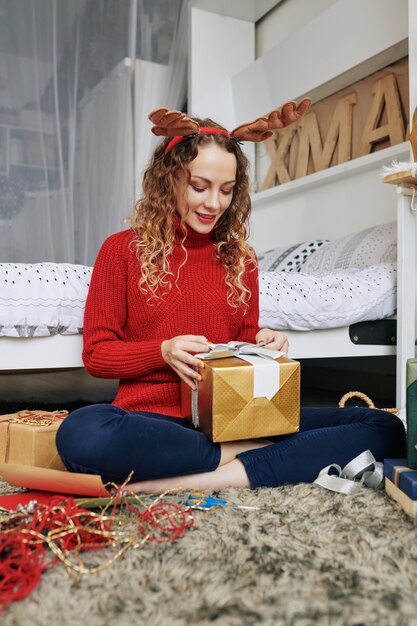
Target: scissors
[(202, 502)]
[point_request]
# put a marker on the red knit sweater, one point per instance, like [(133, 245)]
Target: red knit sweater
[(123, 332)]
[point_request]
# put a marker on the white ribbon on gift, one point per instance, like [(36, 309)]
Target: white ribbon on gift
[(362, 470), (266, 376)]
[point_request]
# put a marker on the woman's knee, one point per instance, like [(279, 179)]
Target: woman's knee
[(80, 431), (398, 431), (391, 430), (384, 419)]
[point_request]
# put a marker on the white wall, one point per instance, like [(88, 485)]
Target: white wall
[(344, 43), (305, 47), (155, 76), (220, 47), (328, 204), (248, 10), (284, 20), (316, 57)]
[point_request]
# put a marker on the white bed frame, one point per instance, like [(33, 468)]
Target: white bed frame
[(36, 353)]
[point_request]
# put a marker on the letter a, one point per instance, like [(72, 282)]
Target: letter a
[(385, 91)]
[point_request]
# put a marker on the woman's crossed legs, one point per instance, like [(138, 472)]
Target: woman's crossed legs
[(165, 452)]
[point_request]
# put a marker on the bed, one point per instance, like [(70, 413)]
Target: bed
[(328, 296), (41, 315), (350, 198), (333, 288)]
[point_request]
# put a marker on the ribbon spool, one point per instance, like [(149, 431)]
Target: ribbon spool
[(362, 470), (365, 398)]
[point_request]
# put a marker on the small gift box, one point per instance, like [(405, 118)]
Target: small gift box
[(411, 413), (246, 392), (401, 484), (28, 438)]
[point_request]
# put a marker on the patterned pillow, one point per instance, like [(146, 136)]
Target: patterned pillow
[(371, 246), (289, 259)]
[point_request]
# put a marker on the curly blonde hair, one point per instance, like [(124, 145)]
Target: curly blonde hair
[(155, 218)]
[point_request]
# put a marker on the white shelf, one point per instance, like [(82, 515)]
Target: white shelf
[(337, 172)]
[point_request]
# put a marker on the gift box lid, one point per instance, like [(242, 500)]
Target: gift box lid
[(402, 476)]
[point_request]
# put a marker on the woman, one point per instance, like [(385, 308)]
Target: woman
[(181, 277)]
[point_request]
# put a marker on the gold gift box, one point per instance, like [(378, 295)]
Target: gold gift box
[(227, 410), (28, 438)]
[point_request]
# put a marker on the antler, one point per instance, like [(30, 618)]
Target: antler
[(172, 123), (263, 127)]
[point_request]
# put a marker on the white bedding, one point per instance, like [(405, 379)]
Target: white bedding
[(323, 284), (42, 299), (45, 299), (299, 301)]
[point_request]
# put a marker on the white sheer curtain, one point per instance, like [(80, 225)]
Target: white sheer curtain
[(160, 80), (74, 133), (105, 195)]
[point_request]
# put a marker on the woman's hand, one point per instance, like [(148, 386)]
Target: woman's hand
[(273, 339), (177, 353)]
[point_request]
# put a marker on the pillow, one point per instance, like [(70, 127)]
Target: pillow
[(298, 301), (289, 259), (371, 246)]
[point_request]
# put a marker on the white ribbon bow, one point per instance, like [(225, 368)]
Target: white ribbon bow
[(266, 375), (239, 349)]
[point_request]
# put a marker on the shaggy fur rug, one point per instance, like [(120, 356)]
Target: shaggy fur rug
[(307, 557)]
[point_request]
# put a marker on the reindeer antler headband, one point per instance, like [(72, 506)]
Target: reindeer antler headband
[(180, 127)]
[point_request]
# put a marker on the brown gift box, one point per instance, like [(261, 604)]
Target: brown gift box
[(224, 408), (28, 438)]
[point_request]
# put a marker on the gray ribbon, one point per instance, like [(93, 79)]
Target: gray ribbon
[(195, 418), (362, 470), (238, 349)]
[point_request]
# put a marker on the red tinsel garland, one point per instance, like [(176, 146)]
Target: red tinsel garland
[(21, 567), (66, 529)]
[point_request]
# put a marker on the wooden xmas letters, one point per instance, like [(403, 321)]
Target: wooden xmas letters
[(370, 115)]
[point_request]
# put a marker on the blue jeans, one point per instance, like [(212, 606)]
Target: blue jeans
[(104, 439)]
